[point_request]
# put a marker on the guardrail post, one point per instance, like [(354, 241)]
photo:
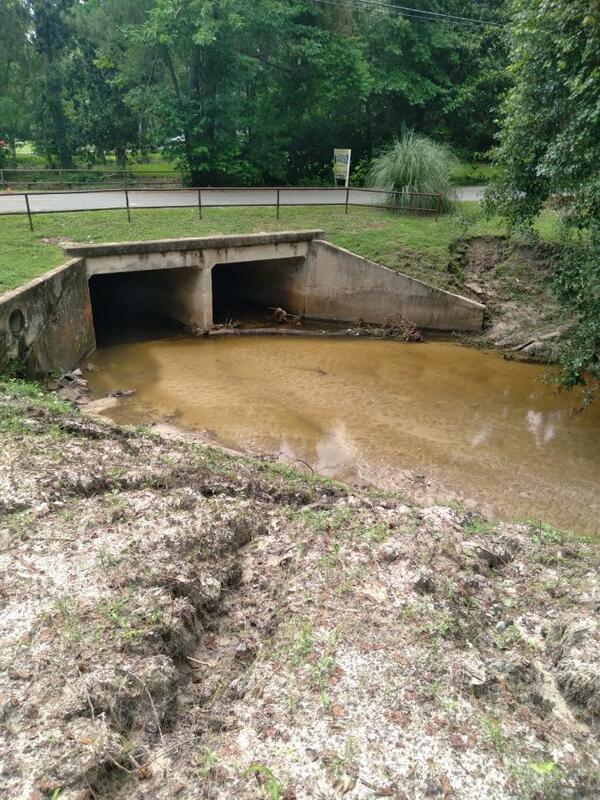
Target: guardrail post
[(277, 203), (1, 176), (347, 197), (28, 211), (200, 203), (127, 204)]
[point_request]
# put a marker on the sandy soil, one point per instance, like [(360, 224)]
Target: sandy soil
[(179, 623)]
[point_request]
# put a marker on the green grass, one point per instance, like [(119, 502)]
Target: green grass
[(156, 167), (471, 173), (416, 245)]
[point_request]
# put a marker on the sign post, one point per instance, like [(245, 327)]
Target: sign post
[(341, 165)]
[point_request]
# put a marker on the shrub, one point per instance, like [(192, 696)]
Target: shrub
[(414, 163)]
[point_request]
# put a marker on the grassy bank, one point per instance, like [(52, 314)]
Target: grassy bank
[(416, 245)]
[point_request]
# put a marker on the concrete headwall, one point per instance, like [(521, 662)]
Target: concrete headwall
[(47, 324), (193, 260), (343, 286)]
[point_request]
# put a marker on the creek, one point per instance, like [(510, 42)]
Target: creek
[(444, 420)]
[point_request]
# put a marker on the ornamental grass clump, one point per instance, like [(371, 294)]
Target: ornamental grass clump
[(411, 164)]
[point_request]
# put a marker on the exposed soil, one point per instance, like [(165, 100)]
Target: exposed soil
[(513, 280), (178, 623)]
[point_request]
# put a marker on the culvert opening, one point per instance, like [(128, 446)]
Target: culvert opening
[(146, 304), (247, 292)]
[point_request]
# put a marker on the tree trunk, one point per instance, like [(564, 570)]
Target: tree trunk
[(121, 156), (57, 116)]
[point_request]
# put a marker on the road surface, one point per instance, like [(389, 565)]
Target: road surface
[(94, 200)]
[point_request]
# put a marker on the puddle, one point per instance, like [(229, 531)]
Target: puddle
[(448, 421)]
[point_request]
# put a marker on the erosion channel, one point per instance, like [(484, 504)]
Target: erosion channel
[(447, 421)]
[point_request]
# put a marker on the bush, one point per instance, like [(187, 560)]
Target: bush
[(414, 163)]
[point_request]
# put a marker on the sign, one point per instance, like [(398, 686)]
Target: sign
[(341, 165)]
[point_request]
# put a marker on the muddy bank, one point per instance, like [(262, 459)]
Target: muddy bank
[(523, 317), (179, 623)]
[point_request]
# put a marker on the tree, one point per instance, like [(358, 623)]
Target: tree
[(16, 69), (52, 40), (549, 150), (252, 92)]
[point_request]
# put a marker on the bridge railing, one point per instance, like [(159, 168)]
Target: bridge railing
[(132, 199)]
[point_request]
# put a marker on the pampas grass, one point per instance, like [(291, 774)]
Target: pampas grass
[(413, 163)]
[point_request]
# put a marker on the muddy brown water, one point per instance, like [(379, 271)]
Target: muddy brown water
[(448, 421)]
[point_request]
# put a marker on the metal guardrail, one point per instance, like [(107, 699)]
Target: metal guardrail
[(129, 199)]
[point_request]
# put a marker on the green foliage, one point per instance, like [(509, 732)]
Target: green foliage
[(549, 151), (272, 788), (238, 92), (413, 163), (577, 283), (493, 731)]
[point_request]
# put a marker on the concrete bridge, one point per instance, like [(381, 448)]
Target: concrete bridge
[(53, 322)]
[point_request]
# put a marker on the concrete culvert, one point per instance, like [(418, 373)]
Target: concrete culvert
[(250, 290), (130, 306)]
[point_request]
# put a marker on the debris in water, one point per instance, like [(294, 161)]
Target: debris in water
[(395, 326), (281, 316)]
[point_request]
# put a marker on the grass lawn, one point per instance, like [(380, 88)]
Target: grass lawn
[(156, 167), (471, 173), (415, 245)]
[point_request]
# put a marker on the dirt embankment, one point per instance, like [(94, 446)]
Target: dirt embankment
[(514, 281), (176, 623)]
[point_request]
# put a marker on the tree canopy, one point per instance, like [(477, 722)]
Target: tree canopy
[(245, 92), (549, 151)]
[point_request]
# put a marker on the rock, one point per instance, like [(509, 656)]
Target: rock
[(388, 553), (121, 393), (475, 675), (475, 287), (496, 553), (69, 393), (424, 583)]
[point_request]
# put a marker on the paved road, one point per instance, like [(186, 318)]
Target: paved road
[(89, 200), (470, 193)]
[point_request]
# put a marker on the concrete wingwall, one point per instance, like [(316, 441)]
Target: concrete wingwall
[(343, 286), (47, 324)]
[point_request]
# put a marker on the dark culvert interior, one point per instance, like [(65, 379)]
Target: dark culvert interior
[(131, 306), (247, 292)]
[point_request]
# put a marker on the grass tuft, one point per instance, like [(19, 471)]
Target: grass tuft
[(414, 163)]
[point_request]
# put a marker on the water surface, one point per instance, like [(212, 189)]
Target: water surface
[(449, 421)]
